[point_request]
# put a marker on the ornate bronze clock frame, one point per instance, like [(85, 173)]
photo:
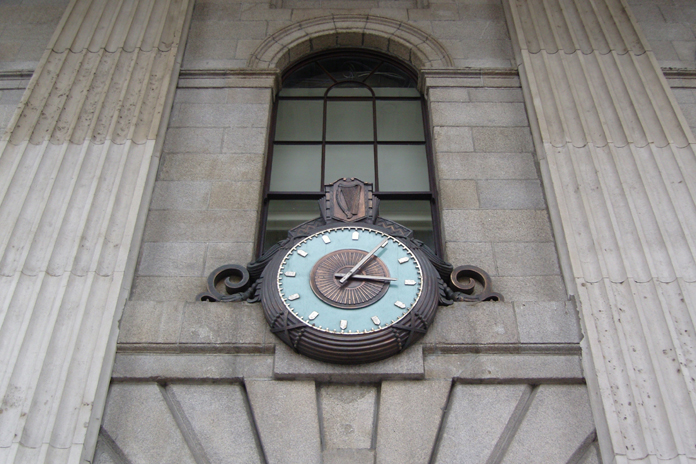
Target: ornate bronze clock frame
[(349, 287)]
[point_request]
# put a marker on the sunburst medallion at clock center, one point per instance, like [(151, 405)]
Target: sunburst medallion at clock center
[(355, 293)]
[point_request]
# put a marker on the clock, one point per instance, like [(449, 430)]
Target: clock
[(350, 294)]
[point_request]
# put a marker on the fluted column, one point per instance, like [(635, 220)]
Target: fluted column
[(618, 163), (74, 164)]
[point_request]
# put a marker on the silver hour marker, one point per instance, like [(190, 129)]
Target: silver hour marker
[(326, 239), (356, 235), (344, 324), (313, 315), (302, 253), (290, 274), (403, 260), (294, 296), (399, 304), (375, 320), (410, 282)]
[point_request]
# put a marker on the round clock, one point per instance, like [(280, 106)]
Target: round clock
[(350, 294)]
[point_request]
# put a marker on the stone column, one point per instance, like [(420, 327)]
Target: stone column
[(75, 165), (617, 158)]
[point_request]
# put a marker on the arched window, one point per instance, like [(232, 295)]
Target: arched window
[(349, 113)]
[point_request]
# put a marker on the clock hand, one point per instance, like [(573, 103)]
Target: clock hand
[(368, 277), (362, 262)]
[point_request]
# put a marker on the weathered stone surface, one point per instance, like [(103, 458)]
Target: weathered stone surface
[(211, 167), (559, 420), (193, 140), (489, 166), (224, 323), (236, 367), (405, 365), (151, 322), (458, 194), (138, 420), (287, 410), (180, 195), (531, 288), (496, 95), (526, 258), (502, 139), (409, 418), (547, 322), (204, 226), (245, 140), (511, 194), (475, 253), (348, 456), (348, 415), (497, 367), (449, 94), (227, 253), (172, 259), (219, 418), (453, 139), (475, 114), (473, 323), (497, 225), (476, 418), (167, 288), (221, 115), (235, 195)]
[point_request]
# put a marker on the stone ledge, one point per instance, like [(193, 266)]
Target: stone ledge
[(404, 366), (231, 367)]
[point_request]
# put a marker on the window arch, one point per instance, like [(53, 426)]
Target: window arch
[(349, 113)]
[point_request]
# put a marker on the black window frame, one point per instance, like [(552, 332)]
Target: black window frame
[(430, 195)]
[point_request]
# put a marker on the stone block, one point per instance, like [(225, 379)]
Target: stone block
[(526, 258), (484, 11), (497, 225), (474, 114), (488, 166), (166, 288), (219, 418), (449, 94), (235, 195), (496, 95), (206, 53), (557, 423), (511, 194), (484, 323), (547, 322), (151, 322), (180, 195), (204, 30), (191, 167), (262, 12), (458, 194), (476, 418), (190, 140), (172, 259), (532, 368), (200, 226), (502, 140), (221, 115), (348, 415), (209, 366), (409, 418), (249, 95), (348, 456), (227, 253), (405, 365), (212, 11), (245, 140), (686, 51), (531, 288), (287, 410), (453, 139), (138, 420), (474, 253), (224, 323), (11, 97), (245, 48), (471, 28)]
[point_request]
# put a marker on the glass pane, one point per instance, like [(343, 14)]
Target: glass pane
[(349, 161), (399, 121), (299, 120), (414, 214), (309, 76), (303, 92), (296, 168), (349, 68), (283, 215), (349, 121), (390, 76), (347, 91), (396, 92), (403, 168)]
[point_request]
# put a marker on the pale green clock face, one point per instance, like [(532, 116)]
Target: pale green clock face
[(376, 295)]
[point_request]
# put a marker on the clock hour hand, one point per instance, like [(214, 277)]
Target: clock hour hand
[(362, 262), (368, 277)]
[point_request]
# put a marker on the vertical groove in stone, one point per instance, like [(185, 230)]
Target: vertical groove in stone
[(622, 169), (73, 166)]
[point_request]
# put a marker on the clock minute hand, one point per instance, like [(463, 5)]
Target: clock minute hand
[(368, 277), (362, 262)]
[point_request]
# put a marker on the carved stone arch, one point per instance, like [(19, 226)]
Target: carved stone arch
[(387, 35)]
